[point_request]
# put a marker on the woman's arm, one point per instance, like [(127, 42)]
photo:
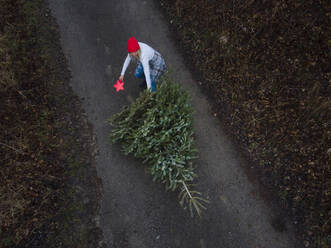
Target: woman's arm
[(147, 73), (125, 65)]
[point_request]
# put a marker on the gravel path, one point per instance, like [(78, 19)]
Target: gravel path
[(135, 212)]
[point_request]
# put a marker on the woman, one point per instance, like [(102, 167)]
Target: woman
[(151, 65)]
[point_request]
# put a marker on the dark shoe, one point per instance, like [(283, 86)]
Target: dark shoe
[(143, 85)]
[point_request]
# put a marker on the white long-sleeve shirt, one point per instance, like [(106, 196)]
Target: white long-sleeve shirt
[(146, 54)]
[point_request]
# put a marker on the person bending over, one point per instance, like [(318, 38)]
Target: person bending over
[(151, 65)]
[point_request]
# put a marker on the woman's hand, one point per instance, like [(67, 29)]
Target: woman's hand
[(121, 78)]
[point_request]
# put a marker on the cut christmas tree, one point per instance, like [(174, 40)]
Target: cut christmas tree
[(158, 129)]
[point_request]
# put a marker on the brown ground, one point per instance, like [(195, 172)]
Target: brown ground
[(49, 190), (265, 66)]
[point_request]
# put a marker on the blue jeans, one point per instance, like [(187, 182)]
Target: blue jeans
[(139, 73)]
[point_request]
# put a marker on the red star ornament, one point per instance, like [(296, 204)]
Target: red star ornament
[(119, 85)]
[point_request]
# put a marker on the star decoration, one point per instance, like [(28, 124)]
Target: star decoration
[(119, 85)]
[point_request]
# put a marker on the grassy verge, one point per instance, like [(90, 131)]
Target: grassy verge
[(266, 66), (43, 200)]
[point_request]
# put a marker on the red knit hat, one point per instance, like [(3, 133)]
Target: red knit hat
[(133, 45)]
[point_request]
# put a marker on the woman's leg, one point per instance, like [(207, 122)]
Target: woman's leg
[(153, 86), (139, 73)]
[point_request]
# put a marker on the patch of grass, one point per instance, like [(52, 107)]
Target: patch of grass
[(266, 63), (39, 144)]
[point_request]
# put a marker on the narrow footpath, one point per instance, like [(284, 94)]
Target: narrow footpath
[(135, 212)]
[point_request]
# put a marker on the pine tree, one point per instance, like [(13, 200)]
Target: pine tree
[(158, 128)]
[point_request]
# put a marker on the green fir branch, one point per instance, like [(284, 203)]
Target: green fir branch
[(158, 128)]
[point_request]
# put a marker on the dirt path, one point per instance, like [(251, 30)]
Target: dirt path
[(135, 211)]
